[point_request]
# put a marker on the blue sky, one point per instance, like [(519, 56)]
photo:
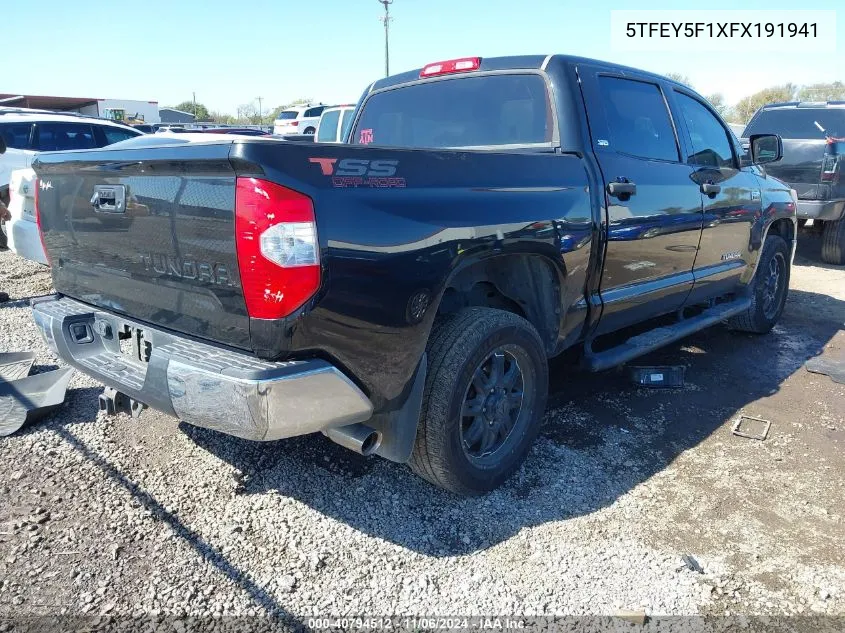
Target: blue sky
[(232, 52)]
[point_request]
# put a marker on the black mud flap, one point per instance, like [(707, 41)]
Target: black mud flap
[(30, 398), (14, 365)]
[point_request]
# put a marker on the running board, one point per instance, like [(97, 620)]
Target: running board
[(658, 337)]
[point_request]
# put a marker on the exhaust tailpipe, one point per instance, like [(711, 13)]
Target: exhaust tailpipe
[(356, 437)]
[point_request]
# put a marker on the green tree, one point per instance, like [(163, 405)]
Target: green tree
[(681, 79), (197, 109), (717, 100), (834, 91), (248, 113), (221, 117), (746, 108)]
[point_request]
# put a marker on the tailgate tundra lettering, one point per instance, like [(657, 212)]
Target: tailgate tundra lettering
[(206, 272), (357, 172)]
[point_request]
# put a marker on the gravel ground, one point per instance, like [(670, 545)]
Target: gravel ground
[(151, 517)]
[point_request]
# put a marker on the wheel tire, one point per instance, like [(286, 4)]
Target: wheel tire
[(459, 346), (833, 243), (310, 130), (762, 315)]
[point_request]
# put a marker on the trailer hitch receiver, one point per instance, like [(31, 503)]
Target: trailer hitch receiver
[(113, 402)]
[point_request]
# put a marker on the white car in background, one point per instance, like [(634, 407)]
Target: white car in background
[(302, 119), (334, 124), (22, 229), (27, 132)]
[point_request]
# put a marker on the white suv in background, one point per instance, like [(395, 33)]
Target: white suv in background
[(334, 124), (27, 132), (302, 119)]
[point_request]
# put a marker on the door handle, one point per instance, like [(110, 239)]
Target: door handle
[(710, 189), (621, 190)]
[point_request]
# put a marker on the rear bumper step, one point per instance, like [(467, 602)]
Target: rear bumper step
[(830, 210), (207, 386), (658, 337)]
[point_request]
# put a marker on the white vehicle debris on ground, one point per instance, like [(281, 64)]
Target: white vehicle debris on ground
[(635, 501)]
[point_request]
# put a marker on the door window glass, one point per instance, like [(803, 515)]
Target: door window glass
[(638, 119), (711, 146)]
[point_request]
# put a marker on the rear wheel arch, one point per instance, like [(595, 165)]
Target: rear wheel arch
[(783, 227), (528, 285)]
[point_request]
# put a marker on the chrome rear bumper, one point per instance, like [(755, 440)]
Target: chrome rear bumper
[(212, 387), (830, 210)]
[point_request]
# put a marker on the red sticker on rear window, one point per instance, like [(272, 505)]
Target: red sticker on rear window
[(366, 136)]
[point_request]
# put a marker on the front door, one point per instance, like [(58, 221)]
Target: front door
[(730, 198), (654, 215)]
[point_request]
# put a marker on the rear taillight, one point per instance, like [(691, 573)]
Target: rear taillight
[(462, 65), (294, 123), (830, 173), (36, 185), (278, 252)]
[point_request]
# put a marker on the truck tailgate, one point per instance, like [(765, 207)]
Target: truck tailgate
[(801, 167), (144, 233)]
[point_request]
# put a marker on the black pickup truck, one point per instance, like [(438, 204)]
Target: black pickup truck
[(813, 163), (402, 293)]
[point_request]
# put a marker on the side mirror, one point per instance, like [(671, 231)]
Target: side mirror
[(765, 148), (2, 145)]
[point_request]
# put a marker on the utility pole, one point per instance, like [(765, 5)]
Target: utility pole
[(259, 109), (195, 106), (386, 19)]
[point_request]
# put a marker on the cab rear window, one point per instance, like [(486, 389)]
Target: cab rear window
[(485, 111)]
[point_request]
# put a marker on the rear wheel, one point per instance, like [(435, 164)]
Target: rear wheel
[(310, 130), (769, 289), (484, 400), (833, 242)]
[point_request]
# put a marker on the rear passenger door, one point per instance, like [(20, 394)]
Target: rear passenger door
[(653, 207), (57, 136), (730, 198)]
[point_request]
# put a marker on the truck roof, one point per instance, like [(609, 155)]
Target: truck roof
[(514, 62), (804, 104)]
